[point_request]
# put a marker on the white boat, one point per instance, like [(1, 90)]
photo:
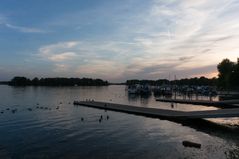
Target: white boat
[(134, 89), (164, 90)]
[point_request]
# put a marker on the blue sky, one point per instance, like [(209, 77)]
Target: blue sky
[(116, 40)]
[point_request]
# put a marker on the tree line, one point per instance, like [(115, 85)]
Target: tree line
[(23, 81), (202, 81)]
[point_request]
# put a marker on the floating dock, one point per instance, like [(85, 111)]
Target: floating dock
[(220, 104), (161, 113)]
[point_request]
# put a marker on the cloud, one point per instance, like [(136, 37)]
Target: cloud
[(4, 21), (102, 68), (62, 56), (185, 58), (87, 58), (208, 71), (24, 29), (58, 52)]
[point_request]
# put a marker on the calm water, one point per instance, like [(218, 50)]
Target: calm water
[(60, 133)]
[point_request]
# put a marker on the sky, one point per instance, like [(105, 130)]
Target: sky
[(116, 40)]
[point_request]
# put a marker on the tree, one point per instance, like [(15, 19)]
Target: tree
[(225, 69), (20, 81), (35, 81), (228, 77)]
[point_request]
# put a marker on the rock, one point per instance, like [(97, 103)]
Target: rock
[(191, 144)]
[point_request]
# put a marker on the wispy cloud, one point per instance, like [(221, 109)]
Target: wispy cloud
[(62, 56), (194, 31), (59, 52), (106, 58), (90, 58), (24, 29), (5, 22)]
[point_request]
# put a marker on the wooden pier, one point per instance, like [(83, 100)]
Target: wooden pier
[(220, 104), (161, 113)]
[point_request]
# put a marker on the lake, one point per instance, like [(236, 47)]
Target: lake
[(42, 123)]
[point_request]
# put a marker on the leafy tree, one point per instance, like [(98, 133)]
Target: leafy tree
[(228, 77), (20, 81)]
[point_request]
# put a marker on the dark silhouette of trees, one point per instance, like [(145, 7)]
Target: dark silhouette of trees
[(20, 81), (225, 69), (35, 81), (202, 81), (228, 77), (23, 81), (4, 83), (135, 81)]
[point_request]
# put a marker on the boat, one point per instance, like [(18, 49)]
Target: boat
[(164, 90), (145, 89), (134, 89)]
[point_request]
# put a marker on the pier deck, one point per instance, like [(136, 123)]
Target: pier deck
[(161, 113), (220, 104)]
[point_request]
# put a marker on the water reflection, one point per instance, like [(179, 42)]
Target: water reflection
[(143, 98), (71, 131), (133, 97), (187, 97)]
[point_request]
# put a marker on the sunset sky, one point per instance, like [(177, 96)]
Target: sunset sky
[(117, 39)]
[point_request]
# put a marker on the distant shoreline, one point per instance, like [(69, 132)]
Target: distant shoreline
[(4, 82), (58, 81)]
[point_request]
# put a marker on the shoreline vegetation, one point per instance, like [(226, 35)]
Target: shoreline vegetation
[(201, 81), (228, 79), (23, 81)]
